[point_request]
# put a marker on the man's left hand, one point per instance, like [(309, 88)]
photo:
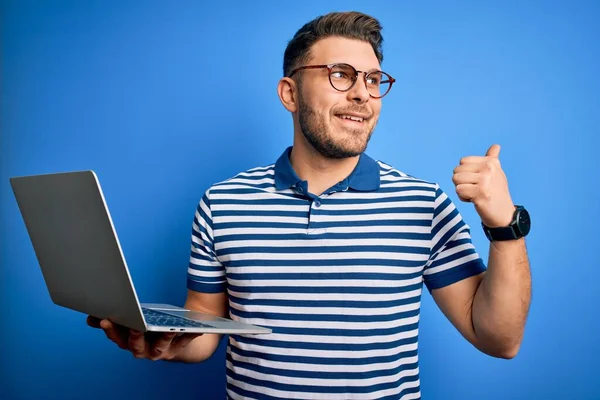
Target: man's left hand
[(481, 181)]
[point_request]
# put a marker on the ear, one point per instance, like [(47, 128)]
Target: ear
[(288, 95)]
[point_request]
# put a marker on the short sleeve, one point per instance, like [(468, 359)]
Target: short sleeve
[(452, 254), (205, 271)]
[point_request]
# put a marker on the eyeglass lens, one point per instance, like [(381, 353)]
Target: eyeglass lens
[(342, 77)]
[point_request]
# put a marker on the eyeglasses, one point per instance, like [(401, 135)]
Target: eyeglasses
[(344, 76)]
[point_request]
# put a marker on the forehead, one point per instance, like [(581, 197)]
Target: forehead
[(357, 53)]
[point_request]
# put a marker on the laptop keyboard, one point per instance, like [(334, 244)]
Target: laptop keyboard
[(158, 318)]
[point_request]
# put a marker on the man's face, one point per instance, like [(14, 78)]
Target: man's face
[(323, 111)]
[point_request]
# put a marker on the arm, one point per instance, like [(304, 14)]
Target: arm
[(206, 283), (202, 347), (490, 309)]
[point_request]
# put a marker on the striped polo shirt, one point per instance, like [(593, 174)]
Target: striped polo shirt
[(337, 277)]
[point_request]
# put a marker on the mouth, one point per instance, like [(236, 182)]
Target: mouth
[(354, 119)]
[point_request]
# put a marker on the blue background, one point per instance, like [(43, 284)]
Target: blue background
[(162, 99)]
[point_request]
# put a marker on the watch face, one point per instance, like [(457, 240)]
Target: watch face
[(524, 222)]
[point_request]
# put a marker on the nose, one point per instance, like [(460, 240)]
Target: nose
[(358, 93)]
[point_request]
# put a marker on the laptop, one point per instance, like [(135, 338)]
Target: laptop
[(78, 251)]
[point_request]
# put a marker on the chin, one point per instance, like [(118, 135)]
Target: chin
[(338, 143), (355, 143), (343, 150)]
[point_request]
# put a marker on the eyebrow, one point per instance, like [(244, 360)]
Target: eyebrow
[(358, 69)]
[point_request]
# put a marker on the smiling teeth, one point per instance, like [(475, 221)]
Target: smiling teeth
[(357, 119)]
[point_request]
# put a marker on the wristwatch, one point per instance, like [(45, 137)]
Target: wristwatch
[(519, 227)]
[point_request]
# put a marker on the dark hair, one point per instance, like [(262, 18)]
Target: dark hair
[(351, 25)]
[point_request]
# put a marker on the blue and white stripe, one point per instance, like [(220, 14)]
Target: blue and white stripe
[(337, 277)]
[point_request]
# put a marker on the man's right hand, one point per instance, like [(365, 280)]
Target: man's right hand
[(153, 345)]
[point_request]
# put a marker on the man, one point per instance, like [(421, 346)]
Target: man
[(331, 249)]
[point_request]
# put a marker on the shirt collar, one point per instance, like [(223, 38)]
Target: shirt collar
[(364, 177)]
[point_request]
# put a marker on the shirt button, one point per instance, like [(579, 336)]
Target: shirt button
[(317, 203)]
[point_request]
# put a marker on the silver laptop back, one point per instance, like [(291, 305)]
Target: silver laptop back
[(76, 245)]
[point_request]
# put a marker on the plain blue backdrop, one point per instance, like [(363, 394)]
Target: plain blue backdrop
[(163, 99)]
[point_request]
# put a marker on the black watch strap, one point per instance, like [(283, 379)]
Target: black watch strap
[(519, 227), (498, 234)]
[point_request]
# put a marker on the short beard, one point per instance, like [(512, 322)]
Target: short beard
[(314, 130)]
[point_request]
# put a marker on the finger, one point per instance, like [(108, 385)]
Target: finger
[(467, 191), (106, 324), (161, 344), (472, 160), (473, 167), (116, 333), (93, 321), (137, 343), (465, 177), (493, 151)]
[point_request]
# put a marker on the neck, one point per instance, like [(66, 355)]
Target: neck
[(320, 172)]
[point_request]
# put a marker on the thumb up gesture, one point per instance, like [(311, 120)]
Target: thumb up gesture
[(480, 180)]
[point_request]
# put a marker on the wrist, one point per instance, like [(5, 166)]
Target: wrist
[(517, 228), (502, 218)]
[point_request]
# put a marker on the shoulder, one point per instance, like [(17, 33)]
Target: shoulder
[(258, 177), (392, 177)]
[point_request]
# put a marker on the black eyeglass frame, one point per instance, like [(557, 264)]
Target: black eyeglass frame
[(356, 72)]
